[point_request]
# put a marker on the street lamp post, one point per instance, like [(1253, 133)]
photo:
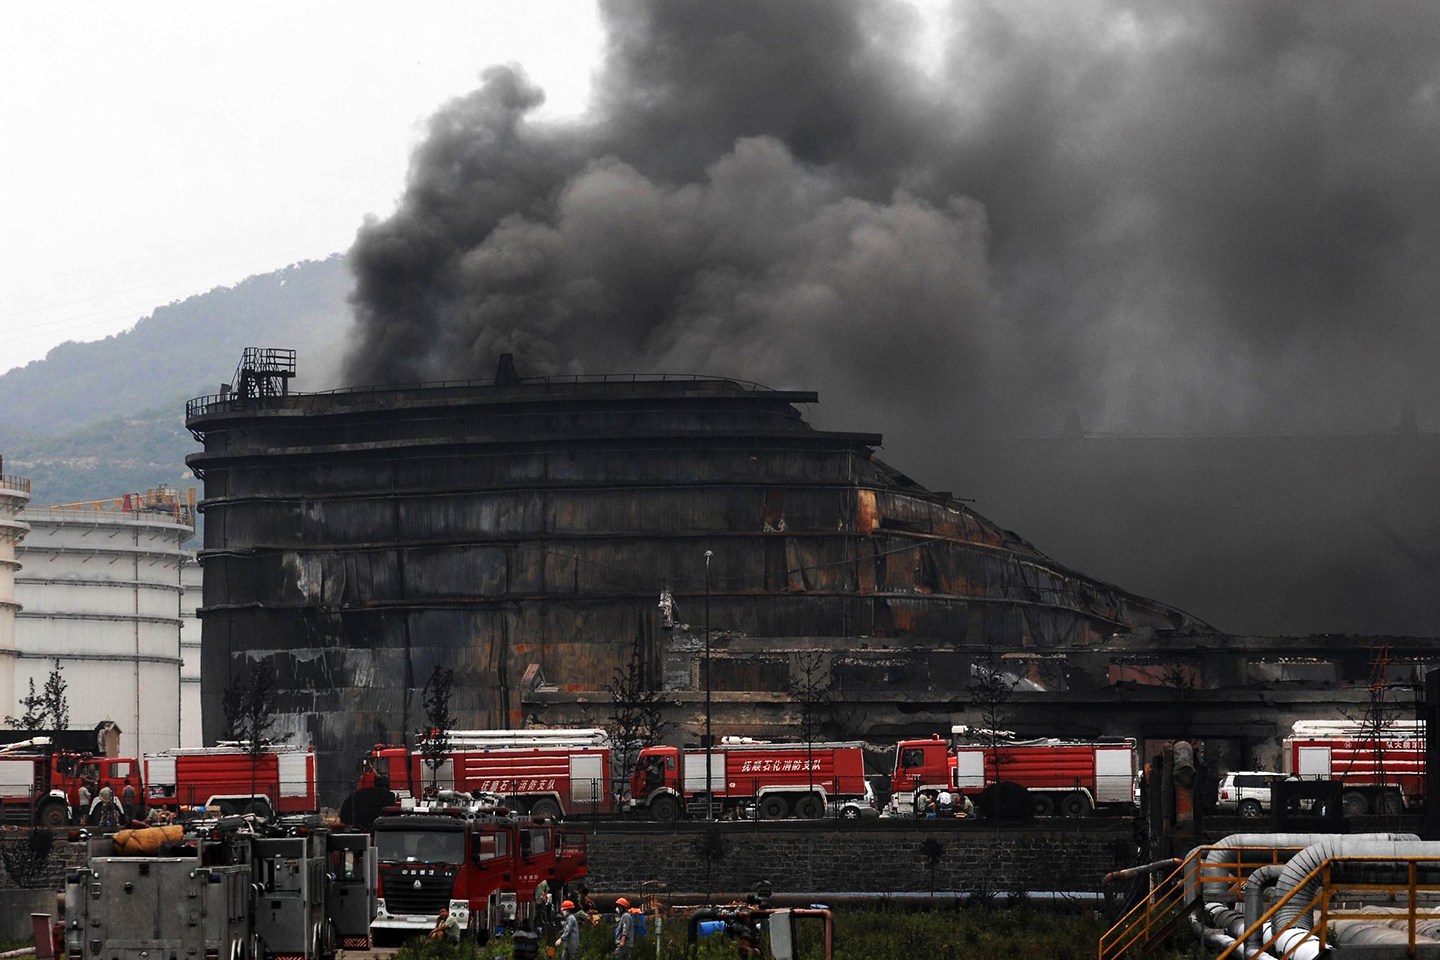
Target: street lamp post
[(709, 738)]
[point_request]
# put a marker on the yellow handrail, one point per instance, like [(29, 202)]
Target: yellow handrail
[(1154, 917), (1329, 889)]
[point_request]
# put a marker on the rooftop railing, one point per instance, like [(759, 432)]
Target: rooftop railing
[(202, 405), (8, 482)]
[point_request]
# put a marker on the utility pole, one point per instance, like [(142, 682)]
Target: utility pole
[(709, 738)]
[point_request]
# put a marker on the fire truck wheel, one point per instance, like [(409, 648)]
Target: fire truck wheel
[(260, 808), (1042, 805), (774, 807), (53, 815), (1354, 803), (809, 807), (1250, 810), (545, 809), (1390, 805), (1075, 805), (664, 808)]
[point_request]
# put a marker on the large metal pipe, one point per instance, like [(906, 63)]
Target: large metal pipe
[(1256, 884), (1130, 873), (1356, 933), (1219, 939), (1295, 918), (1220, 861), (1293, 877)]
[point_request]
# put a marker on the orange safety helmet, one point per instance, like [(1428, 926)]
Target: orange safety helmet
[(621, 902), (567, 905)]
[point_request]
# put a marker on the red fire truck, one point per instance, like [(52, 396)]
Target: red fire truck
[(36, 783), (547, 773), (35, 780), (1069, 777), (1382, 768), (227, 779), (778, 779), (483, 866)]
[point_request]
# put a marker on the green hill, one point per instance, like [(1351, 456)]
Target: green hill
[(96, 420)]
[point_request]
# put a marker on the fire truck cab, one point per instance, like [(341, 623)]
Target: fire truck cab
[(483, 866), (33, 784)]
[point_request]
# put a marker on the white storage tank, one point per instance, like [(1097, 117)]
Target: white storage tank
[(14, 495), (190, 597), (101, 591)]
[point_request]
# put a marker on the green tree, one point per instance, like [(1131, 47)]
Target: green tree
[(56, 705), (809, 687), (637, 714), (250, 710), (991, 690), (435, 738), (47, 709), (33, 719)]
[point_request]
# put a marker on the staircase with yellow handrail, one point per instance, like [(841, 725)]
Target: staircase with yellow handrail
[(1145, 927)]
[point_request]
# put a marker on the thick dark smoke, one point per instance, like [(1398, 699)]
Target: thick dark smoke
[(741, 204), (1163, 217)]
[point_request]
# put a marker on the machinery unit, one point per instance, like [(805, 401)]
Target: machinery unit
[(350, 888), (226, 888), (289, 893), (190, 897)]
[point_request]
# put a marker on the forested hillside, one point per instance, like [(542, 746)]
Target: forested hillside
[(96, 420)]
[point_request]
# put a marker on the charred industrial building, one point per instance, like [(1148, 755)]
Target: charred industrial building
[(536, 534)]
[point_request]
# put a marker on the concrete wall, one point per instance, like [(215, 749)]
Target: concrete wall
[(17, 903), (977, 858)]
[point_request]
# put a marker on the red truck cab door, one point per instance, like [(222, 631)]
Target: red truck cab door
[(117, 774), (491, 866), (387, 767), (917, 762), (658, 767)]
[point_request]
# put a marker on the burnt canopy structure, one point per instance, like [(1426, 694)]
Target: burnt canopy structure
[(535, 534)]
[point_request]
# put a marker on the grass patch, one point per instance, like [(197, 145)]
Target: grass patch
[(970, 933)]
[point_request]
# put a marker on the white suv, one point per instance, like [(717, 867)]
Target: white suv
[(1246, 793)]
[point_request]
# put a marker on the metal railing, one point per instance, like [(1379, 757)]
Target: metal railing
[(216, 402), (1170, 899), (1333, 886), (9, 482)]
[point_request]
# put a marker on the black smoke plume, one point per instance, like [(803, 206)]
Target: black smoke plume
[(1158, 217)]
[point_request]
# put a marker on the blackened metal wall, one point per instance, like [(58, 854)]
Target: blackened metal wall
[(356, 539)]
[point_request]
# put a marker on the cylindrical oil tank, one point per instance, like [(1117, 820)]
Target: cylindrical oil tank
[(14, 495), (532, 534), (100, 589), (191, 593)]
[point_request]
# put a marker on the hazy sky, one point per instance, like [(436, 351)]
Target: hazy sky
[(153, 150)]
